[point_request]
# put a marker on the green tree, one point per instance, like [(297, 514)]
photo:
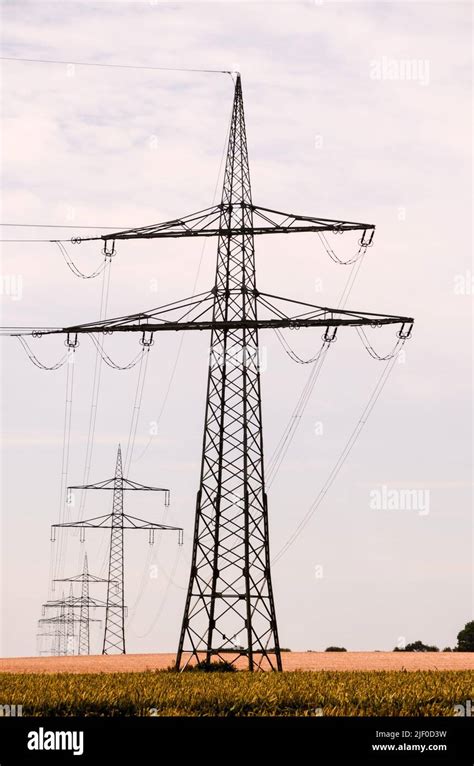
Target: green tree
[(335, 649), (417, 646), (466, 638)]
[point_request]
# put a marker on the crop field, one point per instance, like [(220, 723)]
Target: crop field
[(125, 663), (299, 693)]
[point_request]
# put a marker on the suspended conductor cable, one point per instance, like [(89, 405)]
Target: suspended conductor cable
[(150, 558), (360, 253), (34, 359), (366, 343), (286, 346), (341, 459), (65, 454), (115, 66), (104, 298), (136, 408), (295, 419), (165, 594), (198, 271), (143, 356), (106, 358), (72, 266), (51, 583), (288, 434), (350, 283)]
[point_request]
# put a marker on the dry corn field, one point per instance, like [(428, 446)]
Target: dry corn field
[(298, 693)]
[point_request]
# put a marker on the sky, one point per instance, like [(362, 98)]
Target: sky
[(354, 111)]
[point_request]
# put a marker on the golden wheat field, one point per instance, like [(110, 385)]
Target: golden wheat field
[(125, 663), (297, 693)]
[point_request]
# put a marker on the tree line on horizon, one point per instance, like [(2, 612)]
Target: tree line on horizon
[(465, 643)]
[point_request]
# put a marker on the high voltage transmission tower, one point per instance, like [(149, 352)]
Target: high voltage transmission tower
[(229, 610), (64, 623), (117, 521), (85, 602), (60, 639)]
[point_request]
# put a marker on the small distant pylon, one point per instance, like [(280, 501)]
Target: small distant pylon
[(65, 621), (63, 624), (69, 624), (85, 603), (117, 521), (84, 633)]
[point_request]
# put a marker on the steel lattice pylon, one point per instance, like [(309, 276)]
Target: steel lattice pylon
[(229, 610), (83, 603), (64, 622), (117, 521), (70, 624), (84, 632), (229, 603), (114, 634)]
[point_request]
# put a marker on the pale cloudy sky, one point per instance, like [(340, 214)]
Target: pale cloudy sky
[(328, 137)]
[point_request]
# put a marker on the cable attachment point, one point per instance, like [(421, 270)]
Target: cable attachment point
[(109, 253), (147, 339), (367, 240), (76, 240), (329, 337), (71, 343), (405, 334)]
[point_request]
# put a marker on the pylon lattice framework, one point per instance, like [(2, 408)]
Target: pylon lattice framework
[(229, 610), (117, 522), (64, 623), (84, 603)]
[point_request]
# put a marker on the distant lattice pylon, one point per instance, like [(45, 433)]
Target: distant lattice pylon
[(117, 521)]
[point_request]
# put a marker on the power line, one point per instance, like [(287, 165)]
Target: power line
[(115, 66), (295, 419), (341, 459), (75, 270), (56, 226), (229, 603), (52, 226), (36, 241), (198, 271)]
